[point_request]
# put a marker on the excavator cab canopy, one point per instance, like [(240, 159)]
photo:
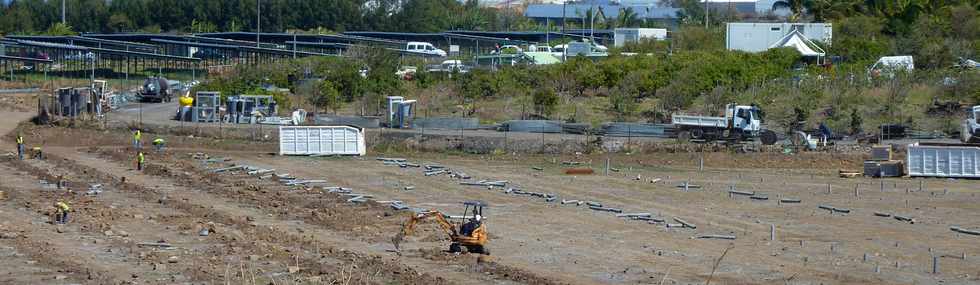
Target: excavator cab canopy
[(473, 209)]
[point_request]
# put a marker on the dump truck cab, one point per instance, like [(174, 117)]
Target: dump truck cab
[(747, 119)]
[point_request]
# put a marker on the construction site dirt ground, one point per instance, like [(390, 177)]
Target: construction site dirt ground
[(145, 227)]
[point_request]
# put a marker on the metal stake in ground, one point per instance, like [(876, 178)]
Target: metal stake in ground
[(772, 232), (701, 163), (607, 166)]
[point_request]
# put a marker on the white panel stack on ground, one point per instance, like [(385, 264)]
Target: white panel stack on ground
[(321, 140), (944, 160)]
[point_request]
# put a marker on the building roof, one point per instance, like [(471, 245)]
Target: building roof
[(25, 59), (609, 10), (102, 50)]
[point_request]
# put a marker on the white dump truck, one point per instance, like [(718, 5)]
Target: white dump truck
[(971, 126), (739, 123)]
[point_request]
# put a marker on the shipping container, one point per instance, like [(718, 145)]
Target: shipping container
[(323, 140), (943, 160)]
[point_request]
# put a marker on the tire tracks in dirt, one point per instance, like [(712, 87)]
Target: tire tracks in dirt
[(217, 205), (704, 250), (249, 235)]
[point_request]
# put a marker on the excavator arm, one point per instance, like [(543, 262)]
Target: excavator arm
[(409, 227)]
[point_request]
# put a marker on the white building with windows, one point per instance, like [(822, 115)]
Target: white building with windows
[(756, 37)]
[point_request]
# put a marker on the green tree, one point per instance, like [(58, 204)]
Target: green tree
[(119, 22), (627, 18), (545, 101), (60, 29), (825, 10), (327, 96), (203, 27), (860, 38), (623, 101), (855, 122), (695, 37)]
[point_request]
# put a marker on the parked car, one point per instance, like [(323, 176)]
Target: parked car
[(406, 72), (209, 54), (424, 48), (536, 48), (559, 50), (887, 66), (452, 65), (508, 49)]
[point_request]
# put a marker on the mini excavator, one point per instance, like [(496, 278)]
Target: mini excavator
[(471, 235)]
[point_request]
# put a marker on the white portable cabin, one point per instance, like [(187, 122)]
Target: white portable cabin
[(325, 140), (758, 37), (943, 160)]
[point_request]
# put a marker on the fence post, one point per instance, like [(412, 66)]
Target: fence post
[(607, 165), (629, 134), (542, 138)]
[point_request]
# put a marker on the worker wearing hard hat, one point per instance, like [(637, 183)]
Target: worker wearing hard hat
[(137, 136), (20, 146), (61, 212), (470, 226), (158, 144), (140, 159)]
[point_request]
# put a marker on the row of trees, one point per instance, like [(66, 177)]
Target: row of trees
[(36, 16), (675, 81), (628, 88)]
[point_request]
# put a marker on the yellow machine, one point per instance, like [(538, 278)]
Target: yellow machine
[(471, 234)]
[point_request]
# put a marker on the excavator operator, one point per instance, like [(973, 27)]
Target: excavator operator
[(471, 225)]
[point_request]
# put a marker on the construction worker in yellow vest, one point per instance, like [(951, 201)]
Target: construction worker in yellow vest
[(137, 137), (159, 143), (20, 146), (61, 212), (139, 161)]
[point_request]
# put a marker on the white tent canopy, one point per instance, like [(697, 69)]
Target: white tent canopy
[(801, 43)]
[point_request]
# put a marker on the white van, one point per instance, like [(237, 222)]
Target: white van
[(424, 47), (889, 65)]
